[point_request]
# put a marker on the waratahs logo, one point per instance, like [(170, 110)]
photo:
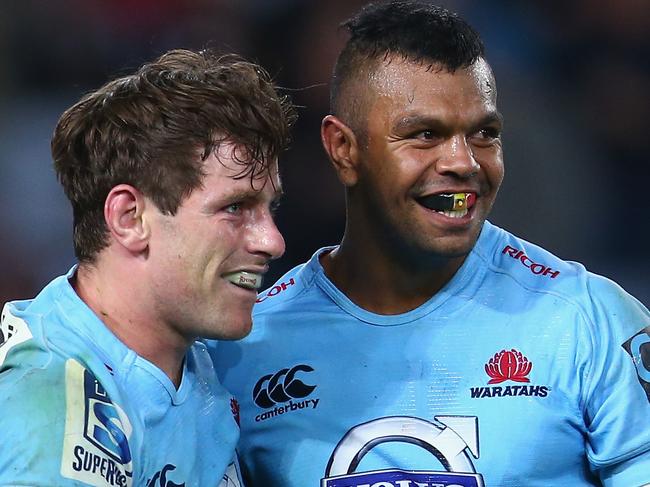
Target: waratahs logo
[(509, 366), (281, 387)]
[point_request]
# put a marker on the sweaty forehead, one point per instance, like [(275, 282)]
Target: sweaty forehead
[(396, 78)]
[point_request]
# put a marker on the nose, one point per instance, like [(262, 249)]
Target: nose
[(457, 158), (265, 238)]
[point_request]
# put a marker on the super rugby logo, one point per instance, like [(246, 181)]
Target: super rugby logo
[(639, 349), (509, 365), (282, 387), (449, 440), (95, 448)]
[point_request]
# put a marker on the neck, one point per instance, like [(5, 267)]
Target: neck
[(383, 282), (125, 308)]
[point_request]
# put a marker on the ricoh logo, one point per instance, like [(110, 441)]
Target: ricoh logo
[(273, 390), (509, 365), (275, 290), (639, 349), (535, 268)]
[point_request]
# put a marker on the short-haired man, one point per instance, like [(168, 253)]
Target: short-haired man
[(431, 348), (172, 174)]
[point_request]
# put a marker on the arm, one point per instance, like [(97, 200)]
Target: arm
[(618, 393), (54, 434)]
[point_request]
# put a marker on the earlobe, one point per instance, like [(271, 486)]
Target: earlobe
[(123, 213), (340, 143)]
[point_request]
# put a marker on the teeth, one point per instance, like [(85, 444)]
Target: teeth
[(454, 213), (248, 280)]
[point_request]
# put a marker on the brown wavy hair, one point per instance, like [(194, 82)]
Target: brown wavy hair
[(146, 129)]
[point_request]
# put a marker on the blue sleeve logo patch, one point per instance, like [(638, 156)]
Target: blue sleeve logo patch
[(639, 349), (95, 447)]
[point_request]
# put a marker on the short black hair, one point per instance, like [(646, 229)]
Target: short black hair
[(416, 30)]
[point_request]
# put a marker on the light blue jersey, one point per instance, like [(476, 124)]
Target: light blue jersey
[(524, 370), (77, 407)]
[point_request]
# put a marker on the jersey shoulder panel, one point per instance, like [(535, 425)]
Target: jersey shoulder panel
[(291, 286), (61, 428), (23, 344), (59, 421), (529, 265), (604, 313), (533, 269)]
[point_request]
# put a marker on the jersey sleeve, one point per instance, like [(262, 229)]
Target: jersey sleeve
[(60, 429), (32, 421), (617, 406), (627, 473), (232, 477)]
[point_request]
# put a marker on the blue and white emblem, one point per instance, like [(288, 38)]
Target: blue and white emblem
[(450, 441)]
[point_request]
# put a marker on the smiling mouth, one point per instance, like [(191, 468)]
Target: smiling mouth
[(247, 280), (453, 205)]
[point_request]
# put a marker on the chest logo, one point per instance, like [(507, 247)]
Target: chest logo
[(504, 368), (508, 365), (279, 390), (450, 441), (160, 478)]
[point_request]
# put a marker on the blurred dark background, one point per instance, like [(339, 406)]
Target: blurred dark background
[(573, 79)]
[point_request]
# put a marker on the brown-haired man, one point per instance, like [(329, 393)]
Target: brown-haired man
[(172, 174)]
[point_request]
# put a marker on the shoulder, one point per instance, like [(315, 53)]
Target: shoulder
[(60, 418), (23, 344), (528, 272), (527, 264), (291, 287), (37, 331)]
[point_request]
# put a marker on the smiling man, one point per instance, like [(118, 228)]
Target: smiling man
[(432, 348), (172, 173)]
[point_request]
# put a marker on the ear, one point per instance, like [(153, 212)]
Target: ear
[(123, 213), (341, 146)]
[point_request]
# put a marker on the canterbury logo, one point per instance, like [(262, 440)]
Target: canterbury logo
[(281, 387), (508, 365), (160, 479)]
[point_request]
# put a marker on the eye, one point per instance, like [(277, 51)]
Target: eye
[(234, 208), (425, 137), (275, 206), (487, 134)]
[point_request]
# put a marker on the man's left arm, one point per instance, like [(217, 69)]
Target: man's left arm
[(618, 391)]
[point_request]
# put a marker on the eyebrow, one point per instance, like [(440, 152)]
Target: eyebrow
[(490, 118), (251, 193), (413, 121), (239, 194)]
